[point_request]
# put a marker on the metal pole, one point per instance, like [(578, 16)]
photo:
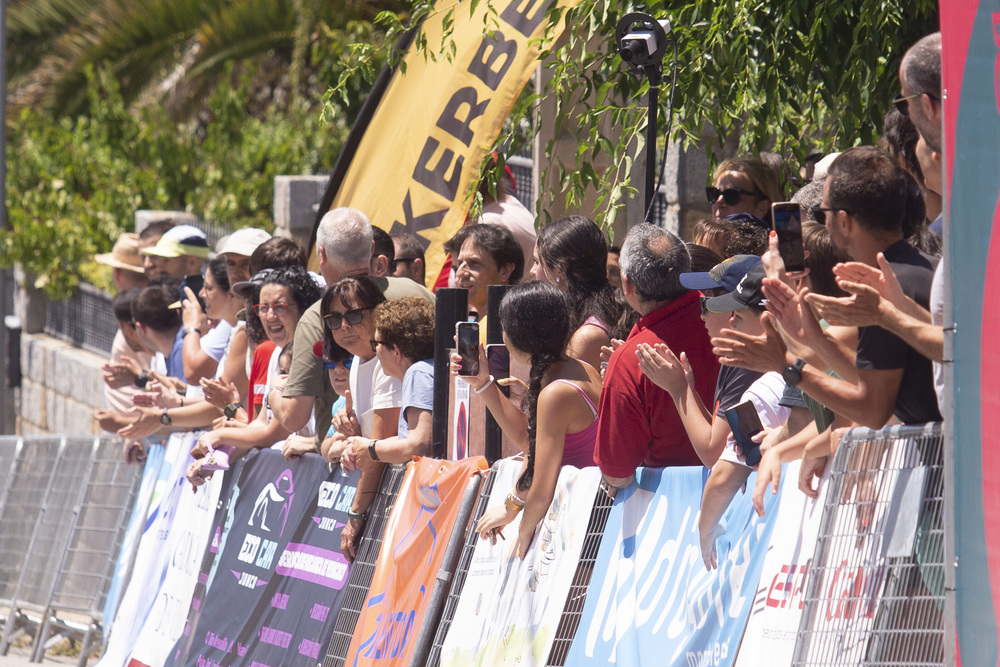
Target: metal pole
[(452, 306), (493, 441), (7, 412), (651, 114)]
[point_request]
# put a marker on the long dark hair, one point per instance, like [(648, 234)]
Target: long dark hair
[(576, 246), (535, 318)]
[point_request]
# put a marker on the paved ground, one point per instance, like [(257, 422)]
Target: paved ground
[(21, 657)]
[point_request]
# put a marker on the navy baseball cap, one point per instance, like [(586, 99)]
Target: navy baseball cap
[(749, 293)]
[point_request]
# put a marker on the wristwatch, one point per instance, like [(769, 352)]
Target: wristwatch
[(141, 380), (793, 374), (165, 418), (230, 410), (351, 514), (190, 331)]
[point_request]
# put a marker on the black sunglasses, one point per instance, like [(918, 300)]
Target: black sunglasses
[(902, 104), (729, 195), (819, 213), (334, 321), (375, 343)]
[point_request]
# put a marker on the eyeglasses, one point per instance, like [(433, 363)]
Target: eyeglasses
[(276, 309), (729, 195), (819, 213), (335, 320), (405, 259), (902, 103), (375, 344), (346, 361)]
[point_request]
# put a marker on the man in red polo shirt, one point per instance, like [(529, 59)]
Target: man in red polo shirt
[(638, 422)]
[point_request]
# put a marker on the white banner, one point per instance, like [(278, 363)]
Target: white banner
[(152, 557), (777, 608), (187, 544), (509, 609)]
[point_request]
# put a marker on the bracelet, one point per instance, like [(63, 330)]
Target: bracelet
[(371, 450), (512, 503), (190, 331), (480, 390), (267, 396), (351, 514)]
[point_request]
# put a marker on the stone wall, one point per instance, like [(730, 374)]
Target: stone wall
[(61, 386)]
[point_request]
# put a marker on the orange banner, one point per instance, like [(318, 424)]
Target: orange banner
[(412, 550)]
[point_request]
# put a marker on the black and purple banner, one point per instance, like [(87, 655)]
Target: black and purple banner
[(278, 580)]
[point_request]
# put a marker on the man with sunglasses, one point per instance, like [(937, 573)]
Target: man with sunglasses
[(864, 201), (344, 247)]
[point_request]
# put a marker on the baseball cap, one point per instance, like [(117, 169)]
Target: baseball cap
[(178, 241), (243, 241), (124, 254), (725, 274), (244, 289), (749, 293)]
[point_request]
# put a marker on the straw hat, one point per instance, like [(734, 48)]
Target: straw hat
[(124, 254)]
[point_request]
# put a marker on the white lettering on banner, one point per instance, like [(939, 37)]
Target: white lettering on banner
[(306, 562), (668, 580), (346, 499), (708, 658), (248, 580), (266, 554), (327, 494), (248, 552)]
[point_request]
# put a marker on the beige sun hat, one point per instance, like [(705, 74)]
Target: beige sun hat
[(124, 254)]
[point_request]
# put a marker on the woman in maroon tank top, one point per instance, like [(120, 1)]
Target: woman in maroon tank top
[(560, 426)]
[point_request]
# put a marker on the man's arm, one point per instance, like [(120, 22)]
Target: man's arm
[(870, 402)]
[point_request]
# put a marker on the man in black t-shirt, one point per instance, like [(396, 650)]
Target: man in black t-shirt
[(865, 199)]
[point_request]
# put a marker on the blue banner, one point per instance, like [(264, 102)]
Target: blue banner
[(651, 601)]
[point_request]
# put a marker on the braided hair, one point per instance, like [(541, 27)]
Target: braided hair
[(535, 318)]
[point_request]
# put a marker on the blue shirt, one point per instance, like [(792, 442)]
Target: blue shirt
[(175, 362), (418, 391)]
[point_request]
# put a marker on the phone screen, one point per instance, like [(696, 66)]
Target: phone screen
[(467, 336), (788, 225), (745, 423), (498, 357)]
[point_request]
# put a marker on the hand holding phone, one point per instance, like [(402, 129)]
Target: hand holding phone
[(745, 423), (787, 217), (467, 338)]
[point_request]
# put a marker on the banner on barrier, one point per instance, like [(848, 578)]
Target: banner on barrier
[(509, 609), (136, 523), (651, 600), (777, 608), (152, 556), (416, 537), (281, 566), (188, 539)]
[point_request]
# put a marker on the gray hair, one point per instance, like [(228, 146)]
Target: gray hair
[(922, 66), (653, 260), (346, 237)]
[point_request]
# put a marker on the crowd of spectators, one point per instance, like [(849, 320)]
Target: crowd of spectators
[(635, 353)]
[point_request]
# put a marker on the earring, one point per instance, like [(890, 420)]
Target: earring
[(558, 280)]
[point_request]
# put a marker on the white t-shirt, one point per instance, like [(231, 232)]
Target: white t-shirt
[(765, 394), (937, 317), (272, 375), (371, 390)]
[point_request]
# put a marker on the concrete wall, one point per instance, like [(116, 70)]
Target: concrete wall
[(60, 388)]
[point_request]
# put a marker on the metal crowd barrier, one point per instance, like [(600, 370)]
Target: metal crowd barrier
[(875, 589), (363, 568), (62, 523)]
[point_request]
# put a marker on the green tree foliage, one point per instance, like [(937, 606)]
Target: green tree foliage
[(74, 184), (793, 76)]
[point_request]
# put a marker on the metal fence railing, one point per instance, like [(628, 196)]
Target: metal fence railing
[(62, 519), (875, 589), (363, 568), (84, 319)]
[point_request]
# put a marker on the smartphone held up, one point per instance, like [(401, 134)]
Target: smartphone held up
[(467, 339), (787, 217)]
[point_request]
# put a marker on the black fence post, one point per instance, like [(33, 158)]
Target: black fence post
[(452, 306), (493, 444)]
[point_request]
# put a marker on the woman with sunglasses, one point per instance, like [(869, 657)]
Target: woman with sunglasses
[(561, 423), (283, 296), (743, 185), (372, 403)]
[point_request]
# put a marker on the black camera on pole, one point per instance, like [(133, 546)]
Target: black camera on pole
[(646, 42)]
